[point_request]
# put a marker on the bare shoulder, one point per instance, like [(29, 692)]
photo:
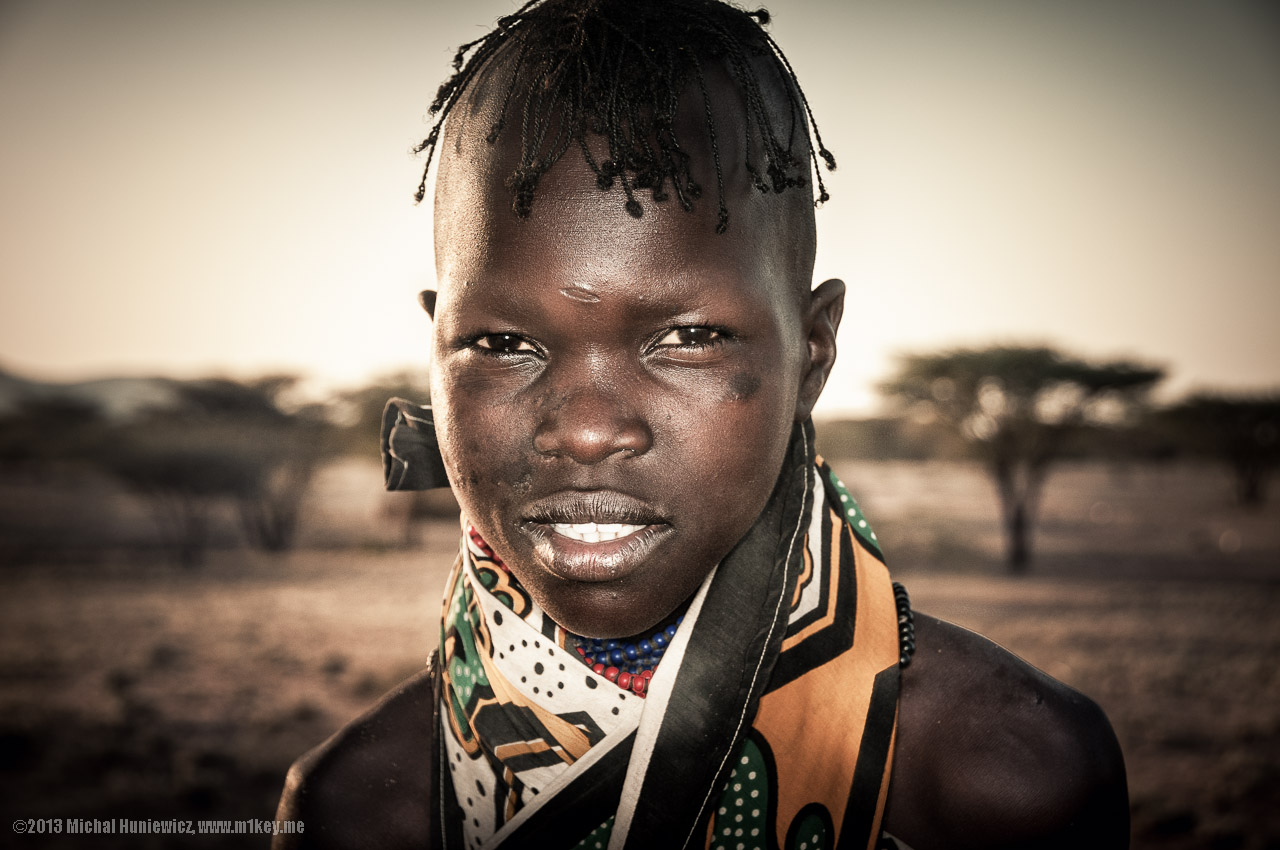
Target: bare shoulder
[(370, 784), (993, 753)]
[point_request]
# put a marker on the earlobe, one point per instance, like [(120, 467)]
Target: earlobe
[(822, 319), (427, 298)]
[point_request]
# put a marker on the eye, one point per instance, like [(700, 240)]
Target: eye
[(505, 344), (690, 337)]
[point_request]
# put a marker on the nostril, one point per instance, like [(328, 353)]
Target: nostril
[(592, 428), (544, 443)]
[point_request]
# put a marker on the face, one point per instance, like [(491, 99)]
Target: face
[(613, 397)]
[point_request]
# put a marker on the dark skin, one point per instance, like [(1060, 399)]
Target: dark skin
[(990, 753), (581, 353), (582, 378)]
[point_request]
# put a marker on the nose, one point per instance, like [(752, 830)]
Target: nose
[(590, 423)]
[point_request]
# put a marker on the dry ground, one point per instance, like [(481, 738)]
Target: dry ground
[(132, 689)]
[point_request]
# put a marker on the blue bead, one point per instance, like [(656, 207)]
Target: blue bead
[(616, 657), (632, 652), (611, 644), (657, 653), (660, 639), (645, 647), (671, 631)]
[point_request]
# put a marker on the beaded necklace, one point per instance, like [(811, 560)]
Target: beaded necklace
[(627, 665)]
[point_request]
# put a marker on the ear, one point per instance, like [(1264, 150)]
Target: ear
[(821, 320), (427, 298)]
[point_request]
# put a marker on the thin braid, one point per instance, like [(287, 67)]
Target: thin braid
[(817, 149), (778, 159), (452, 89), (616, 69), (745, 79), (722, 218), (506, 95)]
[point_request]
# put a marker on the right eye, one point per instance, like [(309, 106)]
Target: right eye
[(505, 344)]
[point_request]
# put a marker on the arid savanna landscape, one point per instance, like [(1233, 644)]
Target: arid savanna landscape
[(134, 687)]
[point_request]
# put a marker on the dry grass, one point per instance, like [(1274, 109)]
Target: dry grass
[(132, 689)]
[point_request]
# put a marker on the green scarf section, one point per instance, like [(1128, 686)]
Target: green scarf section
[(768, 724)]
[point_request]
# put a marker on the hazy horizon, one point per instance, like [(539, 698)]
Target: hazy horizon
[(193, 189)]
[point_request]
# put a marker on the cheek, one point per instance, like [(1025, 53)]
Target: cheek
[(752, 447), (732, 443), (743, 386), (469, 431)]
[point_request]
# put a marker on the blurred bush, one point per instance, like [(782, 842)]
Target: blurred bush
[(211, 442), (1241, 430)]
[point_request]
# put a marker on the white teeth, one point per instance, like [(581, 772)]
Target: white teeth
[(594, 532)]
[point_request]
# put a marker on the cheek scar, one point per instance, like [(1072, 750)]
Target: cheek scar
[(743, 386), (578, 293)]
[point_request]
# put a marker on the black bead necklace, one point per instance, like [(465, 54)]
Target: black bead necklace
[(906, 625)]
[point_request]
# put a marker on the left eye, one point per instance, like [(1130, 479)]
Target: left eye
[(505, 343), (690, 337)]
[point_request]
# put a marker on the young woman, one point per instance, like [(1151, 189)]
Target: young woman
[(669, 624)]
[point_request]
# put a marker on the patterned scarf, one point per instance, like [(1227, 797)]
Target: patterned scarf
[(768, 724)]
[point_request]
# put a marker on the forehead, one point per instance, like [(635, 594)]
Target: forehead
[(577, 230), (583, 237)]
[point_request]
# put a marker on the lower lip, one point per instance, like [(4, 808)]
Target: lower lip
[(608, 560)]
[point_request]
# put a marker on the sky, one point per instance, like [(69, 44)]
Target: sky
[(226, 188)]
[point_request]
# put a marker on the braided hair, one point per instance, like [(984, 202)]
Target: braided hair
[(616, 69)]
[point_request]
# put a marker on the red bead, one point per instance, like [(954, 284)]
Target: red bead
[(638, 684), (611, 673), (624, 680), (647, 674), (598, 667), (581, 651)]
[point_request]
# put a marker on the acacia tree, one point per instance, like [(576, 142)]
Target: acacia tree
[(183, 474), (228, 442), (1016, 406), (291, 446), (1243, 430)]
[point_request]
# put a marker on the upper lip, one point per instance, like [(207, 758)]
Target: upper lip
[(600, 506)]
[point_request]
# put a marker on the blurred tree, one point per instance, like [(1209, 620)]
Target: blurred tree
[(1243, 430), (182, 472), (1016, 406), (287, 448), (41, 431), (224, 441)]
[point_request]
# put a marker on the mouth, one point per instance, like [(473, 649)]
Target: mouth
[(594, 536), (595, 532)]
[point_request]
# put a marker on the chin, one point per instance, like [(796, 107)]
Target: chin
[(602, 611)]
